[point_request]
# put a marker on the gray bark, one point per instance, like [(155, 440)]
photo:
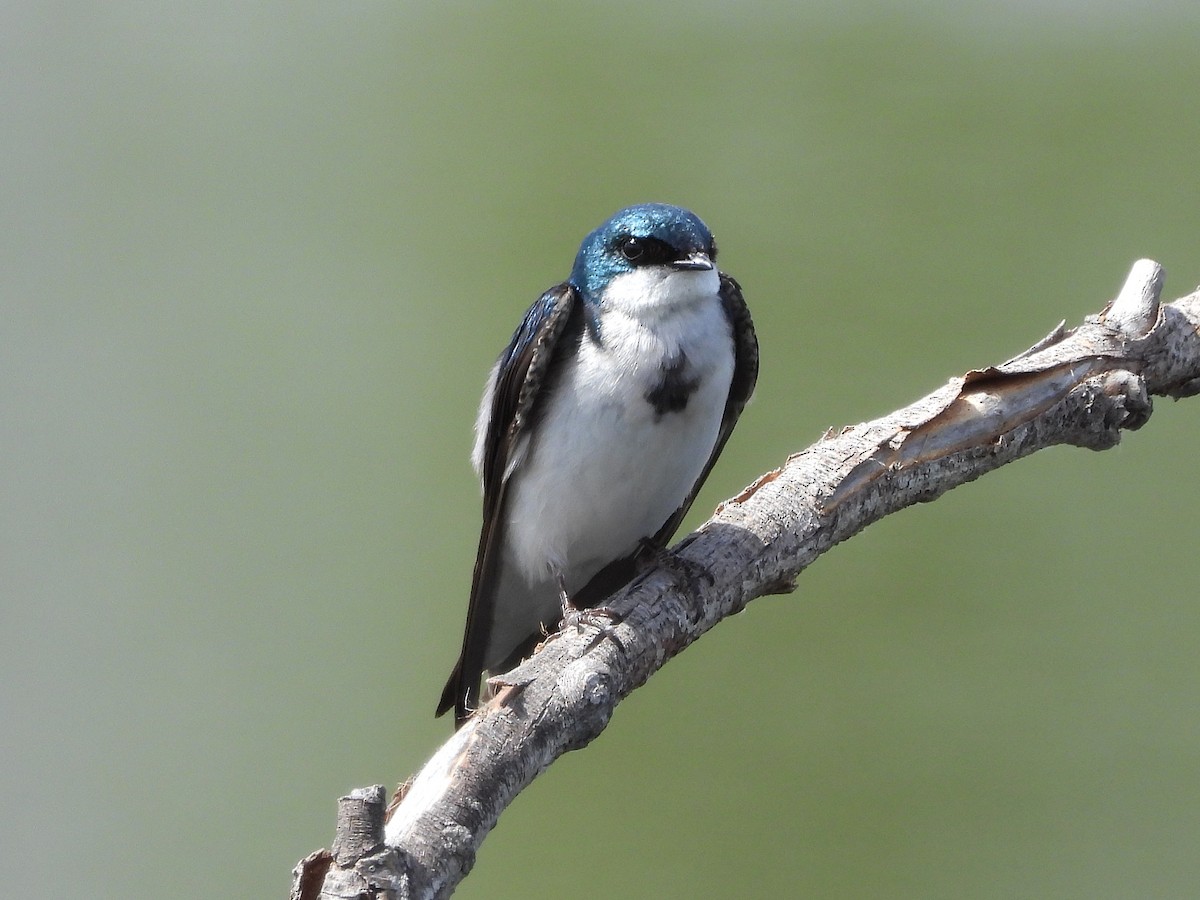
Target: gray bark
[(1081, 386)]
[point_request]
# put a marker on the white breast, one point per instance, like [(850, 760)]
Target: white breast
[(605, 469)]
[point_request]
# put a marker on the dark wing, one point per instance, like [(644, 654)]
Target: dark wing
[(519, 381), (745, 374)]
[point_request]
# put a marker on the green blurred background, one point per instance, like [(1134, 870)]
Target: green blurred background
[(256, 261)]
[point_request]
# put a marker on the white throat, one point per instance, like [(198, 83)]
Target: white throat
[(659, 289)]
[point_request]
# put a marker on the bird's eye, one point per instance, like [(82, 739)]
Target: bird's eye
[(631, 248)]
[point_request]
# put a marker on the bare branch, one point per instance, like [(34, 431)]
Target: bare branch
[(1080, 387)]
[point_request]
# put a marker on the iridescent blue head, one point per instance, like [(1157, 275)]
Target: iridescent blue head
[(646, 236)]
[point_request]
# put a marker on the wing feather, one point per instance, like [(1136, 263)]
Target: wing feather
[(512, 400)]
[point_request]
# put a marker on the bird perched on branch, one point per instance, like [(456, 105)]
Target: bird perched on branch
[(599, 423)]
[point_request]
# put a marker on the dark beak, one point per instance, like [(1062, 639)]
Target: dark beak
[(698, 261)]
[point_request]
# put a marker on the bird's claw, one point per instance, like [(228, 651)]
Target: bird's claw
[(603, 618)]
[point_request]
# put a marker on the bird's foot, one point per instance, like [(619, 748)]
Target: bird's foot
[(604, 619), (596, 616)]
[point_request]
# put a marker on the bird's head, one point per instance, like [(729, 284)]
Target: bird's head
[(648, 255)]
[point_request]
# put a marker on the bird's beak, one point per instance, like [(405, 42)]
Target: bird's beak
[(698, 261)]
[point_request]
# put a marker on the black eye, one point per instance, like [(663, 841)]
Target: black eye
[(644, 251), (631, 248)]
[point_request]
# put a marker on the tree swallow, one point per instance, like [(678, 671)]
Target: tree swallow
[(599, 423)]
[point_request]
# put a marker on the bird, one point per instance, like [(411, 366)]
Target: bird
[(598, 425)]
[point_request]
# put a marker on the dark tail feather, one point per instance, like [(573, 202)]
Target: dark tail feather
[(452, 696)]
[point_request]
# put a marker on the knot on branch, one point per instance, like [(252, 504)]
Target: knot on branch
[(1113, 401), (1129, 401), (384, 874), (587, 690)]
